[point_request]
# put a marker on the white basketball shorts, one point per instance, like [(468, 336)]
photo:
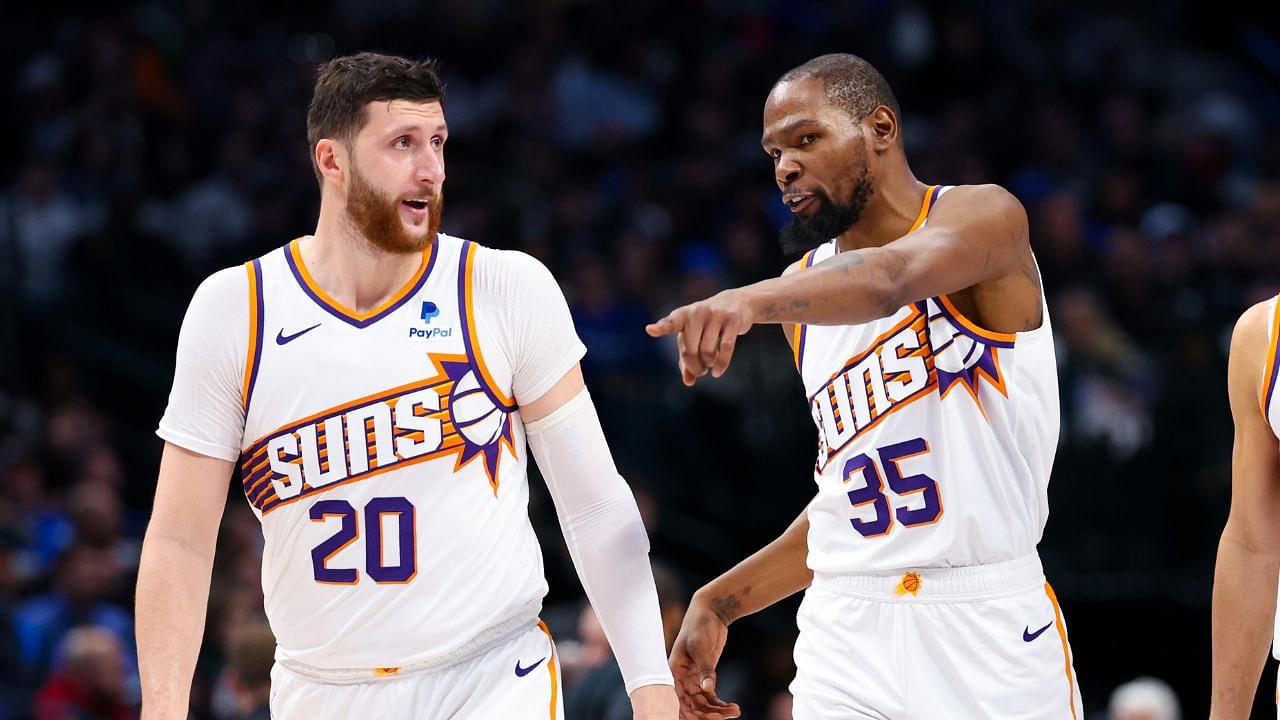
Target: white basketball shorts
[(977, 642), (517, 677)]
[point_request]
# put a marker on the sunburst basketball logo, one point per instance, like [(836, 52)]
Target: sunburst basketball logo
[(910, 583)]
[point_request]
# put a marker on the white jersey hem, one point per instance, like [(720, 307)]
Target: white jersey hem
[(940, 584), (480, 644)]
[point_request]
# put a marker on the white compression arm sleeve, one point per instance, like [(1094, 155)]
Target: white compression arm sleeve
[(606, 538)]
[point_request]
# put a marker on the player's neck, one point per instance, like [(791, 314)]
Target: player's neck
[(890, 212), (350, 269)]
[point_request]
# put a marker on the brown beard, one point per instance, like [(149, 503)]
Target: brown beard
[(377, 218)]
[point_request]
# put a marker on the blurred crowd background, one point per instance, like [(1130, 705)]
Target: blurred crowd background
[(155, 142)]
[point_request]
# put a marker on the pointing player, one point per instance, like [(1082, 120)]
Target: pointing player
[(387, 464), (919, 329), (1244, 587)]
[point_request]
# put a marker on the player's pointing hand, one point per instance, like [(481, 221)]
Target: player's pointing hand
[(706, 332)]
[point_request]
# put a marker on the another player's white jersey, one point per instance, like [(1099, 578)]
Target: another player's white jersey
[(383, 452), (935, 436)]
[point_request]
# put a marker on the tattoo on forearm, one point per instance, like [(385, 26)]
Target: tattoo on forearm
[(726, 607), (788, 310)]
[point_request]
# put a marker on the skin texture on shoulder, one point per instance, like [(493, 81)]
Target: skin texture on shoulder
[(1244, 588)]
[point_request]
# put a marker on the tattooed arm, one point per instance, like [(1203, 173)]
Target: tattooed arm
[(775, 572), (976, 239)]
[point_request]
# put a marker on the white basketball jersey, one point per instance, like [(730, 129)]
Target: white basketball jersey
[(385, 457), (935, 437)]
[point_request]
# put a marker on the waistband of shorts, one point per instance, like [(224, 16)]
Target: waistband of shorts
[(494, 636), (939, 584)]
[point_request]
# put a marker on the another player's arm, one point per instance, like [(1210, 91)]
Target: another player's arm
[(775, 572), (606, 537), (173, 577), (1244, 587), (975, 235)]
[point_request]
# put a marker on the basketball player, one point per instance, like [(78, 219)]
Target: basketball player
[(1244, 587), (376, 384), (920, 332)]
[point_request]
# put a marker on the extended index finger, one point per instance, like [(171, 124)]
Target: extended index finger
[(672, 323)]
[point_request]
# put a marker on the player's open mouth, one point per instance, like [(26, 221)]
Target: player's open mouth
[(797, 202), (417, 207)]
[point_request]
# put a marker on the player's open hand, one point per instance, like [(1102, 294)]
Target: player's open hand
[(707, 332), (693, 663)]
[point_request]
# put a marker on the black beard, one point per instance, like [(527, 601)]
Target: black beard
[(830, 220)]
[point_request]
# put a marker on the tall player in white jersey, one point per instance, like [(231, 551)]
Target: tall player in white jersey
[(376, 384), (1244, 586), (920, 332)]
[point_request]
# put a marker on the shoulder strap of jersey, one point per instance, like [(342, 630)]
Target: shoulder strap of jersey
[(1272, 367), (254, 355), (797, 339), (466, 306)]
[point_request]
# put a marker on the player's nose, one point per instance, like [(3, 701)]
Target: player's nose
[(430, 170), (787, 170)]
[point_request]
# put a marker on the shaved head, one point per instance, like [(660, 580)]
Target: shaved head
[(851, 83)]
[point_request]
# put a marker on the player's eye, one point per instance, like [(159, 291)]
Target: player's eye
[(437, 142), (401, 143), (775, 153), (808, 139)]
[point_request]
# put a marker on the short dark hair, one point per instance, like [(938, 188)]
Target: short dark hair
[(345, 85), (852, 84)]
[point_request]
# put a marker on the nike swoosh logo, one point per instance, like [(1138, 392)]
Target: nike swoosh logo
[(521, 672), (282, 339), (1028, 636)]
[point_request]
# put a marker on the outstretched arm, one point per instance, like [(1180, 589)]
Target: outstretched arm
[(775, 572), (975, 235), (1244, 586)]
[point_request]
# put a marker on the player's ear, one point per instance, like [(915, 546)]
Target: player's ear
[(332, 160), (884, 128)]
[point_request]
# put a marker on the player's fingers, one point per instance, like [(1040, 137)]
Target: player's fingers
[(707, 690), (710, 344), (667, 325), (686, 375), (728, 343), (690, 340), (712, 708)]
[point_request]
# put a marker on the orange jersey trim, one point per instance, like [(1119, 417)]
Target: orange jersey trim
[(1268, 375), (311, 284), (929, 197), (468, 295), (254, 352), (551, 668), (972, 327), (1066, 648)]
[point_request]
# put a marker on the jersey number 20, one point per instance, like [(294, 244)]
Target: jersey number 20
[(872, 492), (375, 562)]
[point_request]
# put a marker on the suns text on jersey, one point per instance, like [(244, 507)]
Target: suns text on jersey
[(356, 440), (896, 369)]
